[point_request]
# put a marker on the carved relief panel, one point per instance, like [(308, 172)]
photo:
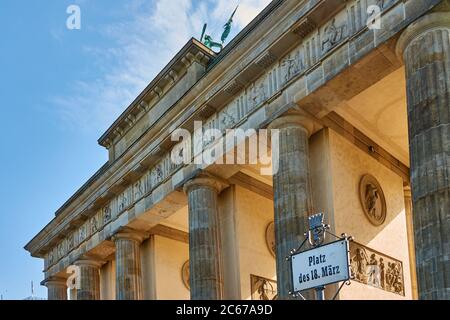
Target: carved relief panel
[(375, 269), (333, 33), (262, 288), (372, 200)]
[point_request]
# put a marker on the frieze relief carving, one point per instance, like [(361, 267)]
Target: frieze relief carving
[(51, 257), (123, 200), (82, 233), (107, 213), (94, 224), (257, 93), (61, 249), (263, 289), (375, 269), (228, 117), (71, 242), (139, 189), (292, 65), (316, 43), (333, 34)]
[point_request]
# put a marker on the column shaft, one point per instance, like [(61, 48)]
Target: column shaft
[(128, 265), (57, 289), (204, 239), (89, 273), (292, 196), (426, 51)]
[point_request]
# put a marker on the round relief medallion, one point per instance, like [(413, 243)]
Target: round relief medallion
[(270, 238), (372, 200), (185, 275)]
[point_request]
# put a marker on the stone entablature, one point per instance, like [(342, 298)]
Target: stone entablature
[(301, 70)]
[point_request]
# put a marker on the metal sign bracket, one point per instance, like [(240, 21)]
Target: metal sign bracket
[(316, 237)]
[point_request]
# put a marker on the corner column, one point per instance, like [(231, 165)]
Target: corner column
[(128, 264), (425, 49), (89, 272), (57, 288), (206, 278), (292, 194)]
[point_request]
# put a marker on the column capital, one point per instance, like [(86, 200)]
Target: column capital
[(431, 21), (55, 282), (126, 233), (294, 120), (205, 180), (89, 262)]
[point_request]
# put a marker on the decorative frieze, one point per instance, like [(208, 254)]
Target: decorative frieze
[(377, 270), (263, 289)]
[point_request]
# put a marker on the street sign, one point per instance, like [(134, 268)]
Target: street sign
[(321, 266)]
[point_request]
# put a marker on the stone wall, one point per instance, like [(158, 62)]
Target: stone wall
[(253, 213), (170, 257), (349, 164)]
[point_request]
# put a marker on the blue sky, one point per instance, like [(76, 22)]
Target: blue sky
[(59, 91)]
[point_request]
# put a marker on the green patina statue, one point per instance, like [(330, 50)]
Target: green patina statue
[(208, 40)]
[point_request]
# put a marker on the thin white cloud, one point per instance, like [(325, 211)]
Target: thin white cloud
[(139, 50)]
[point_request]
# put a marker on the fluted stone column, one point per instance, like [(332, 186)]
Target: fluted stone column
[(128, 265), (206, 278), (57, 288), (425, 49), (292, 194), (89, 273)]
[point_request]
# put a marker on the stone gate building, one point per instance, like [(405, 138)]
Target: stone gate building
[(363, 116)]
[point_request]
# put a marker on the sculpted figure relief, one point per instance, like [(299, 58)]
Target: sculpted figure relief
[(292, 66), (332, 35), (372, 200), (82, 234), (259, 94), (61, 250), (94, 225), (71, 242), (123, 201), (138, 189), (107, 213), (227, 119), (159, 173), (51, 257), (375, 269), (263, 289)]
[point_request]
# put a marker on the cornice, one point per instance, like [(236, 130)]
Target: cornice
[(192, 51)]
